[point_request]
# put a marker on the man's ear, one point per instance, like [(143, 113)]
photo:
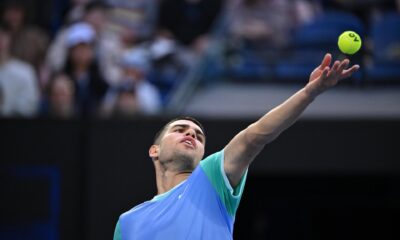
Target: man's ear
[(153, 151)]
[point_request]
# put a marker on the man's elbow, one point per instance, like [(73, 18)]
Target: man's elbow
[(255, 138)]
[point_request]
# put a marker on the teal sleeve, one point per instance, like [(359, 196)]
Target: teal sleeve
[(213, 166), (117, 232)]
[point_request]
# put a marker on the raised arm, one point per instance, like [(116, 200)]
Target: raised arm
[(245, 146)]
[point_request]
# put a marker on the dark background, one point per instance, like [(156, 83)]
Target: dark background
[(321, 179)]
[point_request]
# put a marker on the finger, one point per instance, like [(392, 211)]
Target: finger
[(325, 72), (343, 65), (347, 73), (326, 61), (334, 68)]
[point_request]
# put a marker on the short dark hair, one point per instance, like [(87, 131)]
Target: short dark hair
[(159, 134)]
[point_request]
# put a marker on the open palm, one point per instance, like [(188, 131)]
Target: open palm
[(324, 77)]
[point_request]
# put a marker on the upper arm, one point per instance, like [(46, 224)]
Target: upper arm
[(245, 146), (229, 195), (239, 153)]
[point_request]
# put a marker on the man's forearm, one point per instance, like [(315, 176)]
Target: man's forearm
[(267, 128), (245, 146)]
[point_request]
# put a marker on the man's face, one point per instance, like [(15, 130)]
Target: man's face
[(182, 145)]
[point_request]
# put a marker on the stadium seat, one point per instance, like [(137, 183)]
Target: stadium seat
[(385, 36), (298, 65), (249, 66), (323, 32), (313, 40)]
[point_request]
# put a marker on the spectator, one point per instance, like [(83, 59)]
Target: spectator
[(188, 21), (107, 44), (83, 69), (136, 67), (140, 16), (126, 105), (29, 43), (259, 33), (168, 66), (267, 23), (18, 84), (76, 11), (61, 95)]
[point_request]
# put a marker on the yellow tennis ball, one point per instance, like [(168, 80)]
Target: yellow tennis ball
[(349, 42)]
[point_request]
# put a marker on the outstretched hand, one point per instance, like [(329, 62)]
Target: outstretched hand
[(325, 77)]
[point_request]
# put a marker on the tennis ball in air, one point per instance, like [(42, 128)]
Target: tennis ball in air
[(349, 42)]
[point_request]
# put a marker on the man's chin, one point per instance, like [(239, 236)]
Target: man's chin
[(185, 161)]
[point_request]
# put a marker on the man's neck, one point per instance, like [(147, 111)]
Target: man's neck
[(166, 180)]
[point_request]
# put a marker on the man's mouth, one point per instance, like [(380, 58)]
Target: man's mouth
[(188, 141)]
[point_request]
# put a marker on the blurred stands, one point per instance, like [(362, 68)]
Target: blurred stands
[(308, 43), (229, 69), (385, 37), (237, 60), (312, 40), (241, 41)]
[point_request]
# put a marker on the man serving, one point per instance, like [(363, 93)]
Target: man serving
[(198, 199)]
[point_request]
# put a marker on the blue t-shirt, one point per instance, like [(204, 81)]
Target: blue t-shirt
[(201, 207)]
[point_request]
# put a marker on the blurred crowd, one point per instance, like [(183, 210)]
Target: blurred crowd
[(283, 40), (74, 58), (97, 58)]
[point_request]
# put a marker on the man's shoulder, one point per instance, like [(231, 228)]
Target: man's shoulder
[(214, 158), (136, 210)]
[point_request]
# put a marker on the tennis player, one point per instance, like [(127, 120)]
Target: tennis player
[(199, 199)]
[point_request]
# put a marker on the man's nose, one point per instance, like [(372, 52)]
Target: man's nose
[(191, 132)]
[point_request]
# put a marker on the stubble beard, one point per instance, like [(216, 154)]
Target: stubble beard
[(180, 162)]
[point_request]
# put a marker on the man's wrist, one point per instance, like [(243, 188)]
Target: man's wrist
[(311, 90), (310, 93)]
